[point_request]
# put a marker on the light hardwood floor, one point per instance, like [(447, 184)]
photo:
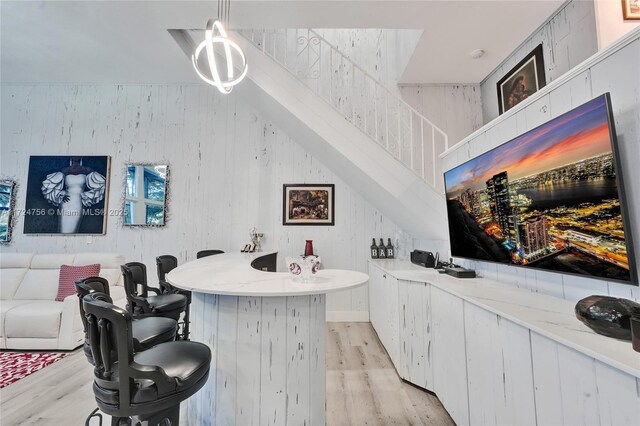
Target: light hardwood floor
[(363, 388)]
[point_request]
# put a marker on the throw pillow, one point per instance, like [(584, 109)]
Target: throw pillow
[(70, 274)]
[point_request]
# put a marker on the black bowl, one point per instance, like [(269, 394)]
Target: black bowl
[(606, 315)]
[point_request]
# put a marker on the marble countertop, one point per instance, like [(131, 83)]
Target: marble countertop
[(548, 316), (232, 274)]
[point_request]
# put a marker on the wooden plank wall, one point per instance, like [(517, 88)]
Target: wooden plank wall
[(383, 53), (456, 108), (227, 167)]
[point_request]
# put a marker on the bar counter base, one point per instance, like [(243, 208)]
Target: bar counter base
[(268, 364)]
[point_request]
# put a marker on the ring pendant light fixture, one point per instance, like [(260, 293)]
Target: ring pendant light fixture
[(216, 33)]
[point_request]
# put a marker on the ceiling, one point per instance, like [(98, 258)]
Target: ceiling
[(127, 41)]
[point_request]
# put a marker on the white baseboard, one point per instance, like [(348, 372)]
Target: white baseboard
[(348, 316)]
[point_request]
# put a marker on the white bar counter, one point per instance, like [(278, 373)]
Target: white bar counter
[(267, 335), (231, 274)]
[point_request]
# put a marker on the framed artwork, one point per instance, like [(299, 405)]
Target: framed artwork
[(145, 200), (67, 195), (631, 9), (308, 204), (522, 81), (7, 207)]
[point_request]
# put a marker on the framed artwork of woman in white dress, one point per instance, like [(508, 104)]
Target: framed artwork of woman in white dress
[(67, 195)]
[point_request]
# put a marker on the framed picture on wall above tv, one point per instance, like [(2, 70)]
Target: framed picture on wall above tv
[(552, 198), (631, 9), (522, 81)]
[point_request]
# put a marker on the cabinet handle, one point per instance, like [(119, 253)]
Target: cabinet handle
[(384, 275)]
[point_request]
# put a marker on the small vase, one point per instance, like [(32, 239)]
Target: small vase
[(308, 248)]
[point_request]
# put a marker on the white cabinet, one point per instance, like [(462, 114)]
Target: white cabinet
[(448, 352), (375, 297), (415, 333), (384, 311), (576, 389), (400, 314), (498, 363), (488, 369)]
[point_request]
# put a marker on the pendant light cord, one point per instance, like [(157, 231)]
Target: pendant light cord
[(224, 11)]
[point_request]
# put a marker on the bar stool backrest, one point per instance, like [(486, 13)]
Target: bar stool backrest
[(87, 286), (205, 253), (165, 263)]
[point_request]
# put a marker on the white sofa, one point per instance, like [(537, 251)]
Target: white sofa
[(30, 317)]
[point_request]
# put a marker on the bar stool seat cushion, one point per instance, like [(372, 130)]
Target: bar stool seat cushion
[(187, 362), (167, 302), (150, 331)]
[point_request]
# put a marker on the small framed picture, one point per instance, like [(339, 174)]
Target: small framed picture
[(308, 204), (631, 9), (522, 81)]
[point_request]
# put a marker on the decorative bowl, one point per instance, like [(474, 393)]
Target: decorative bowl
[(606, 315), (303, 267)]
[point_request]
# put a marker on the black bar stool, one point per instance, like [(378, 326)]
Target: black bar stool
[(140, 304), (165, 264), (145, 387), (147, 332)]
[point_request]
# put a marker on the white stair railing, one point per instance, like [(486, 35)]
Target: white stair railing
[(361, 99)]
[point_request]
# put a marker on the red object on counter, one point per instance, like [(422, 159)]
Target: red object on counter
[(308, 248)]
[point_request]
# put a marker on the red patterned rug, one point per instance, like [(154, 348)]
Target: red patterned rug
[(17, 365)]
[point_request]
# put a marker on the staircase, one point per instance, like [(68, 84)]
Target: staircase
[(352, 123), (362, 100)]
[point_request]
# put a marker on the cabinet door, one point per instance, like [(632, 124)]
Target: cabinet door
[(391, 318), (383, 310), (415, 333), (502, 392), (449, 354), (375, 297)]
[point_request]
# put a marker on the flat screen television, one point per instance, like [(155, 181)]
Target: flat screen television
[(552, 199)]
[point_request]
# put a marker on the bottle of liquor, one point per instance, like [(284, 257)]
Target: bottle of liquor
[(390, 250), (382, 252), (374, 249)]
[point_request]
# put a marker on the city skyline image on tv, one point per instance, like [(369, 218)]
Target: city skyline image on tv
[(548, 199)]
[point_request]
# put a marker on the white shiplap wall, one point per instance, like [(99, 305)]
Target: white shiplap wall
[(616, 70), (456, 109), (568, 38), (383, 53), (227, 167)]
